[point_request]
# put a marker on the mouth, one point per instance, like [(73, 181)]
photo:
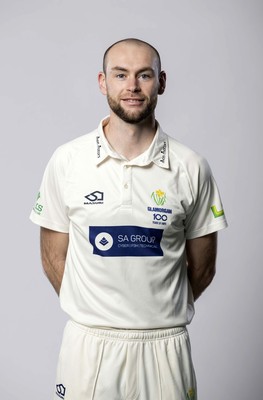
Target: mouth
[(133, 101)]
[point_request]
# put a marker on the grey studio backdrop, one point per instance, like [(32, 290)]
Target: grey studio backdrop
[(212, 52)]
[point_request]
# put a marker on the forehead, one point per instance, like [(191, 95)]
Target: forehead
[(131, 56)]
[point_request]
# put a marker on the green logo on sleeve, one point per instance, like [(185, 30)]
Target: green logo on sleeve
[(217, 213), (38, 208), (190, 394)]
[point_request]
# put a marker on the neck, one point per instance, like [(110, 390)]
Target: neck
[(130, 140)]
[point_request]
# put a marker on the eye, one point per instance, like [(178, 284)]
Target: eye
[(120, 76), (145, 76)]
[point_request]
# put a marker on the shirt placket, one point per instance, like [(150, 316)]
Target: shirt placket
[(127, 186)]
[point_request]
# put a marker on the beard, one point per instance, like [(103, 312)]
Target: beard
[(132, 117)]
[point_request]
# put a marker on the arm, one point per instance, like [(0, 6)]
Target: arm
[(54, 246), (201, 260)]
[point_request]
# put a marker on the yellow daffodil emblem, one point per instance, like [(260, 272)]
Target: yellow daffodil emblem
[(159, 197), (191, 394)]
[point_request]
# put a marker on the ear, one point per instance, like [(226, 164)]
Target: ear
[(102, 83), (162, 82)]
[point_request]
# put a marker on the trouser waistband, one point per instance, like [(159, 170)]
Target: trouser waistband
[(130, 334)]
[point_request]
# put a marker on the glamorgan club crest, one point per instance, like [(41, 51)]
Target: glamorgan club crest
[(159, 197)]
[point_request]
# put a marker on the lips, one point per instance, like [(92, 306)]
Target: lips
[(133, 101)]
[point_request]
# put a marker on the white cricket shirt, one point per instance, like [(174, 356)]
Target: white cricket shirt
[(128, 222)]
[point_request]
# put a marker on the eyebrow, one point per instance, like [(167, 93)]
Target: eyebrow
[(117, 68)]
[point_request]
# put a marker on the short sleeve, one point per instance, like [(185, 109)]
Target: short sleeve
[(50, 210), (207, 214)]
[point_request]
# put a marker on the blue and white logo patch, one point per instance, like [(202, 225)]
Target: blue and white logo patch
[(126, 241)]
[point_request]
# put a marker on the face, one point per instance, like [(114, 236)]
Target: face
[(132, 82)]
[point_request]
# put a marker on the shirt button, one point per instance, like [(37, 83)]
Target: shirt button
[(126, 186)]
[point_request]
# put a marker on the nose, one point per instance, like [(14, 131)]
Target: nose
[(133, 85)]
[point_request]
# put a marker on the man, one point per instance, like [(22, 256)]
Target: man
[(129, 220)]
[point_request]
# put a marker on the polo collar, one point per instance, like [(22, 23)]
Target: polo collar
[(157, 152)]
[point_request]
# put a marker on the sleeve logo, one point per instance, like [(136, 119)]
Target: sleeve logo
[(217, 213), (38, 208)]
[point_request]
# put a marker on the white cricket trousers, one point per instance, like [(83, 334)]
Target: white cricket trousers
[(116, 364)]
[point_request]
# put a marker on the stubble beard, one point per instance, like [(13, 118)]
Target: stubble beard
[(132, 117)]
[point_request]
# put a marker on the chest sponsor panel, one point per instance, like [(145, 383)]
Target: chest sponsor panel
[(126, 241)]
